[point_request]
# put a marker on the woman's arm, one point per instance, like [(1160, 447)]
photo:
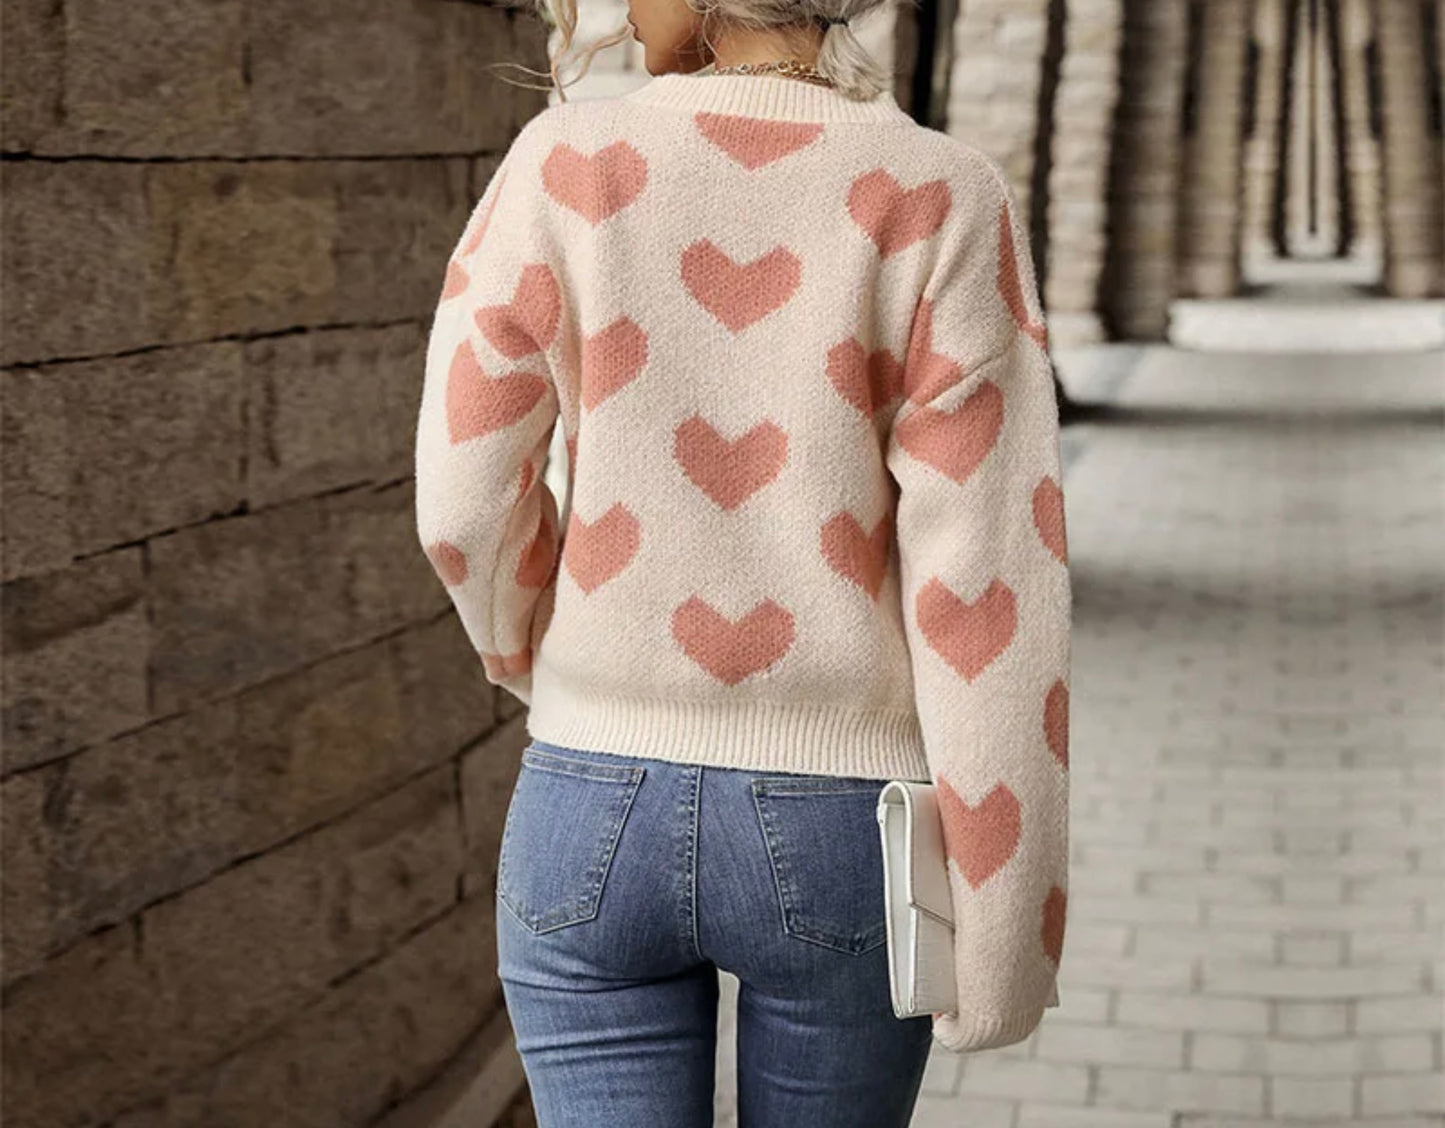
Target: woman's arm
[(485, 517), (987, 605)]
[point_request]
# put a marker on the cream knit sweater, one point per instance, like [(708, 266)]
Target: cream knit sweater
[(815, 520)]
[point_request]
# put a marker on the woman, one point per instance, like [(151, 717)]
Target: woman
[(814, 541)]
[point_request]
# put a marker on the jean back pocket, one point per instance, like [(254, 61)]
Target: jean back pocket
[(822, 840), (561, 832)]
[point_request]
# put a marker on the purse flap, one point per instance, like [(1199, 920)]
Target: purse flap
[(925, 865)]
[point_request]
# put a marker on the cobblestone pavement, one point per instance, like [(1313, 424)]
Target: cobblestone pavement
[(1257, 887)]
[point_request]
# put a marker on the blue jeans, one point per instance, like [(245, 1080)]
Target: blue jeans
[(625, 882)]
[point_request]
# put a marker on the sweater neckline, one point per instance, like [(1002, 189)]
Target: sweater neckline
[(771, 96)]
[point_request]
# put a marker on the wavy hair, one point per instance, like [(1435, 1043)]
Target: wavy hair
[(841, 57)]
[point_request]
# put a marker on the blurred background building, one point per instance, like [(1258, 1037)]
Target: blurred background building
[(253, 782)]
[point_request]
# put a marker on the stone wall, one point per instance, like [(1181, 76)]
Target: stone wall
[(253, 779)]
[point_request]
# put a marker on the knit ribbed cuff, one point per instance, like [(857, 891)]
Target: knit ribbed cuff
[(965, 1032)]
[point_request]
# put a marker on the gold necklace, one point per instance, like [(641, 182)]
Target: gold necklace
[(789, 68)]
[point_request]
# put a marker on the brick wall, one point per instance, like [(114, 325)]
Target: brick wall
[(253, 779)]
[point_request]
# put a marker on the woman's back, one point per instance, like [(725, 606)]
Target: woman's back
[(815, 521)]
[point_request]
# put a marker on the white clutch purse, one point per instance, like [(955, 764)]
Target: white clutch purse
[(919, 901)]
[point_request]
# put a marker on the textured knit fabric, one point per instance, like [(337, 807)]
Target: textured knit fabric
[(815, 521)]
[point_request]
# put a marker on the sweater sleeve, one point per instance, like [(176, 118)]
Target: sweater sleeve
[(974, 450), (486, 518)]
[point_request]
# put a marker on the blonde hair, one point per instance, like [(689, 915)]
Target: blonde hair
[(841, 57)]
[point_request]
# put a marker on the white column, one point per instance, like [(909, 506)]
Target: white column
[(1362, 149), (1411, 156), (993, 92), (1262, 151), (1139, 279), (1211, 197), (1083, 121)]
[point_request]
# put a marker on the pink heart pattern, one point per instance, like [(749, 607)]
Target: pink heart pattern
[(1010, 283), (755, 142), (528, 323), (1056, 722), (1048, 506), (868, 381), (595, 553), (540, 556), (856, 555), (981, 838), (968, 636), (470, 245), (927, 374), (1051, 933), (456, 281), (595, 186), (732, 651), (955, 442), (499, 667), (895, 217), (478, 404), (729, 470), (611, 359), (449, 562), (739, 295)]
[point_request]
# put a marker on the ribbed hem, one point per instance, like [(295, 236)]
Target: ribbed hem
[(750, 734), (765, 96), (965, 1032)]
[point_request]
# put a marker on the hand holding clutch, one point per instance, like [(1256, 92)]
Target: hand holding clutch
[(919, 902)]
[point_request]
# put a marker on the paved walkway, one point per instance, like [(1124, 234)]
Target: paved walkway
[(1257, 890)]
